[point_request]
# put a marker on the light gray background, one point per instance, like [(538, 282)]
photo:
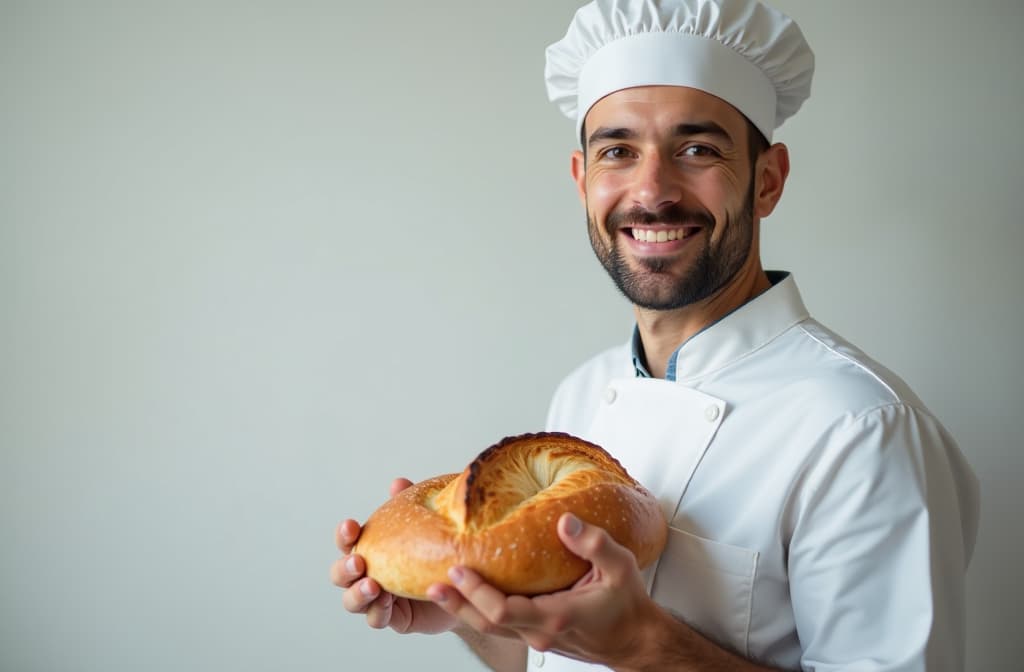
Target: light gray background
[(258, 258)]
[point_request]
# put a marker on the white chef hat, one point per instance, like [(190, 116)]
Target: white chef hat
[(742, 51)]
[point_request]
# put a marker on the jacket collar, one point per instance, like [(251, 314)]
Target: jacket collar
[(744, 330)]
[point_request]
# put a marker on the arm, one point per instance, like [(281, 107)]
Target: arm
[(883, 532), (669, 644), (674, 645), (607, 617), (880, 546)]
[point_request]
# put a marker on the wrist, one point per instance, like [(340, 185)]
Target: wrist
[(667, 643), (660, 643)]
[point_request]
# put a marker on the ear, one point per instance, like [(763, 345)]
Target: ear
[(770, 175), (578, 168)]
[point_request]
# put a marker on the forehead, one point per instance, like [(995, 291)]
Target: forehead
[(661, 108)]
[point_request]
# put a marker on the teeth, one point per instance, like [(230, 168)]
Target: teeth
[(659, 236)]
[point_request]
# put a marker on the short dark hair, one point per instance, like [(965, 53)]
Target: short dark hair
[(756, 142)]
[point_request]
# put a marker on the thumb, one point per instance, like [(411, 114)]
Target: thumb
[(398, 485), (593, 543)]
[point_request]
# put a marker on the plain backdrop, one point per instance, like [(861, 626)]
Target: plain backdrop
[(257, 258)]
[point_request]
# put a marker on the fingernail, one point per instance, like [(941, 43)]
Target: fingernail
[(437, 595), (456, 575), (573, 526), (350, 565), (365, 589)]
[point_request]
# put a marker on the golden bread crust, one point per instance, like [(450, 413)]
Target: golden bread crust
[(498, 517)]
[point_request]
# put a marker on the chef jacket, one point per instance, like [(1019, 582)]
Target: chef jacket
[(820, 517)]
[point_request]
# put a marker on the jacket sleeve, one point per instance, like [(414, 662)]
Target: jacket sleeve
[(885, 526)]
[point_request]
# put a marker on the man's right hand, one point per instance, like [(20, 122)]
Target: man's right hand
[(363, 595)]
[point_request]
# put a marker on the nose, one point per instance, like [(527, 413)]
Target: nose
[(656, 184)]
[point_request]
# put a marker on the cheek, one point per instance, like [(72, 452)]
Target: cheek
[(717, 189), (604, 191), (722, 189)]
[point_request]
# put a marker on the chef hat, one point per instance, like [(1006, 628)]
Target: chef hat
[(749, 55)]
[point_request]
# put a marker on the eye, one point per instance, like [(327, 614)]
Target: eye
[(615, 153), (700, 151)]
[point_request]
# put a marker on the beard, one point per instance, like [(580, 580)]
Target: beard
[(653, 285)]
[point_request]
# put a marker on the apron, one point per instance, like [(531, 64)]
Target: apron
[(659, 431)]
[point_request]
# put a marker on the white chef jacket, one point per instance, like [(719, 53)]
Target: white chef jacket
[(819, 516)]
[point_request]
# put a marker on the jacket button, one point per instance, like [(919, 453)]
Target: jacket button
[(609, 395), (711, 413), (537, 658)]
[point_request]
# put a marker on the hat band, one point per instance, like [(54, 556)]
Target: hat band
[(678, 59)]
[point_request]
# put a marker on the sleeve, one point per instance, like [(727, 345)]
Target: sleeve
[(878, 554)]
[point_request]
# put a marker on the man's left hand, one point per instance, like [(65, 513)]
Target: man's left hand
[(599, 619)]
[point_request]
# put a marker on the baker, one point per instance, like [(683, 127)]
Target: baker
[(820, 517)]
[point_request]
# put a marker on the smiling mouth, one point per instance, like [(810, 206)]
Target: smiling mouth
[(646, 235)]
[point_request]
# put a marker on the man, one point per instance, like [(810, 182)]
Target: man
[(820, 517)]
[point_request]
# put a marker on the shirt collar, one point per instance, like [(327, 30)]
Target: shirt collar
[(738, 333), (637, 348)]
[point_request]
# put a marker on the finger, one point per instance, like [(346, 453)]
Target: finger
[(593, 543), (347, 570), (398, 485), (507, 611), (345, 535), (378, 614), (360, 595), (452, 601)]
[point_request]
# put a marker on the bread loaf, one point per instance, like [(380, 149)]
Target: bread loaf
[(499, 518)]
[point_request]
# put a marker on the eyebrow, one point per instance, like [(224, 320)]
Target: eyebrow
[(703, 128), (681, 130), (606, 133)]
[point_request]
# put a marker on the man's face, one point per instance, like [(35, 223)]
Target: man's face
[(668, 185)]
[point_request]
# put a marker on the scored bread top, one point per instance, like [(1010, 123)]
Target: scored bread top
[(502, 480), (499, 515)]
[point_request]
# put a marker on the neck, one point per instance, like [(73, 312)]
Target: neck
[(663, 331)]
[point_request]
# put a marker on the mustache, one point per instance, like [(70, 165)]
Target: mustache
[(674, 214)]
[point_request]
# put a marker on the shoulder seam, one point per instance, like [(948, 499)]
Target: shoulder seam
[(896, 397)]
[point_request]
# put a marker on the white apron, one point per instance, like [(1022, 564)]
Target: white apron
[(660, 431)]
